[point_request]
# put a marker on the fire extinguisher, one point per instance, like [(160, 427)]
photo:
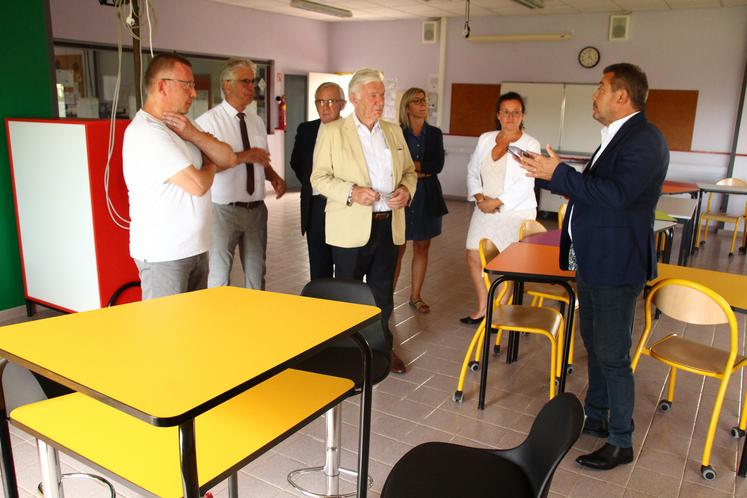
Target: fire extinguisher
[(281, 114)]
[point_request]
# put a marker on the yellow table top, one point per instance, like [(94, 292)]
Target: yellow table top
[(731, 286), (169, 359), (226, 437)]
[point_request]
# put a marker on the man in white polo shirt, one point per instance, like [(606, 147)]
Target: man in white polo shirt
[(169, 182), (239, 211)]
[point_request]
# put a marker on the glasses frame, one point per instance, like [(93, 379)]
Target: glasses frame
[(245, 81), (187, 85), (327, 102)]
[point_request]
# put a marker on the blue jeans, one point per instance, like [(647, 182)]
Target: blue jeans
[(606, 323)]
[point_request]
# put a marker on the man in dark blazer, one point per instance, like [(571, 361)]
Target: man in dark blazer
[(607, 237), (329, 100)]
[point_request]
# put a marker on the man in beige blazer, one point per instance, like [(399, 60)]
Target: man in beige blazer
[(363, 167)]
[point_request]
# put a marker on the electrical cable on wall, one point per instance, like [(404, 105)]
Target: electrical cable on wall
[(127, 22), (466, 30)]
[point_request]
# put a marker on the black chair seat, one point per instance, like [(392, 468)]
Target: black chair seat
[(440, 470), (477, 472), (346, 362)]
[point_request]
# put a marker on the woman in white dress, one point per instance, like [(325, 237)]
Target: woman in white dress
[(503, 194)]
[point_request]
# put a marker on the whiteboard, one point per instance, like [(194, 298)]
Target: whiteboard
[(543, 104), (580, 132), (559, 114)]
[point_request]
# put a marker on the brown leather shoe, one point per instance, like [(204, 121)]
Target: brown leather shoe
[(397, 365)]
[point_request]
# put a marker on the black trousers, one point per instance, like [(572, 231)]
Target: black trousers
[(320, 253), (376, 261)]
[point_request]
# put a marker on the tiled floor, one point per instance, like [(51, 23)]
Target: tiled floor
[(417, 407)]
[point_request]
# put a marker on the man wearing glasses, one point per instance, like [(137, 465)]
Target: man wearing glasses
[(239, 211), (363, 167), (329, 100), (169, 165)]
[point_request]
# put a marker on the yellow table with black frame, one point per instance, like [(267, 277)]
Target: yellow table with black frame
[(168, 361)]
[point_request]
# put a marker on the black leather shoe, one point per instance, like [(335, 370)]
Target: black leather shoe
[(468, 320), (595, 427), (607, 457)]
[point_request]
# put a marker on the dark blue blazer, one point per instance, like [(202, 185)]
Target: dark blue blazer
[(302, 160), (614, 205)]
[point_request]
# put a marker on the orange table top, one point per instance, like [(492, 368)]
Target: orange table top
[(672, 187), (527, 259)]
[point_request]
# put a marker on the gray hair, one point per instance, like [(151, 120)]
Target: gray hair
[(364, 77), (232, 64), (330, 84)]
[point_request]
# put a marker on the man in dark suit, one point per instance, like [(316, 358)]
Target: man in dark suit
[(607, 237), (329, 100)]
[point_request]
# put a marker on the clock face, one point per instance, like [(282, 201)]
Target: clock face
[(588, 57)]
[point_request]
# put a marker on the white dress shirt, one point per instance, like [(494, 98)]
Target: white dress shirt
[(223, 123), (378, 160), (608, 133)]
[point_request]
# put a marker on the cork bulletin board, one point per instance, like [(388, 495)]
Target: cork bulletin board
[(473, 113)]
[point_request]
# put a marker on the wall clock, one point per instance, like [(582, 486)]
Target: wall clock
[(588, 57)]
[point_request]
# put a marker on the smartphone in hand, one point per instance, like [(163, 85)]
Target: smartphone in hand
[(518, 152)]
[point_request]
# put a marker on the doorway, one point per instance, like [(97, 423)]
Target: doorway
[(295, 114)]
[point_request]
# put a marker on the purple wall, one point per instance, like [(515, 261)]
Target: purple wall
[(200, 26), (701, 49), (395, 47)]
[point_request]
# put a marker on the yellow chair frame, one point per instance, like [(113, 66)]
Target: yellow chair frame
[(534, 320), (691, 302), (709, 215)]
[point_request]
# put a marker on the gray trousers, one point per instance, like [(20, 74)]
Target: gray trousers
[(247, 228), (166, 278)]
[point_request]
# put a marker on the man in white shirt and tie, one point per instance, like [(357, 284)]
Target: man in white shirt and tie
[(239, 211)]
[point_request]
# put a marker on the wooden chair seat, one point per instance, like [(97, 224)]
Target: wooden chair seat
[(692, 355)]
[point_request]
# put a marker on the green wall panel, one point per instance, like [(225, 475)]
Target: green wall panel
[(26, 83)]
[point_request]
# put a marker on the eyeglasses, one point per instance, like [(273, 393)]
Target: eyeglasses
[(246, 81), (327, 102), (187, 85), (419, 101), (513, 114)]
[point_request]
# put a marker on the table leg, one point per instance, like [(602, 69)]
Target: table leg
[(686, 241), (513, 338), (10, 486), (697, 221), (568, 335), (486, 341), (188, 459), (233, 486), (365, 414), (742, 472)]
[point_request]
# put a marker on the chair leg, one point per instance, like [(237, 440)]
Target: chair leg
[(705, 232), (712, 426), (734, 239), (697, 235), (474, 345), (672, 382), (553, 367), (49, 461), (331, 470)]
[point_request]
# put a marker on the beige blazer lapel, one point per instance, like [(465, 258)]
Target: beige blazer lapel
[(352, 138)]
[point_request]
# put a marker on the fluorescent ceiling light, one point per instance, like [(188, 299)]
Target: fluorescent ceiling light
[(320, 8), (532, 4), (521, 38)]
